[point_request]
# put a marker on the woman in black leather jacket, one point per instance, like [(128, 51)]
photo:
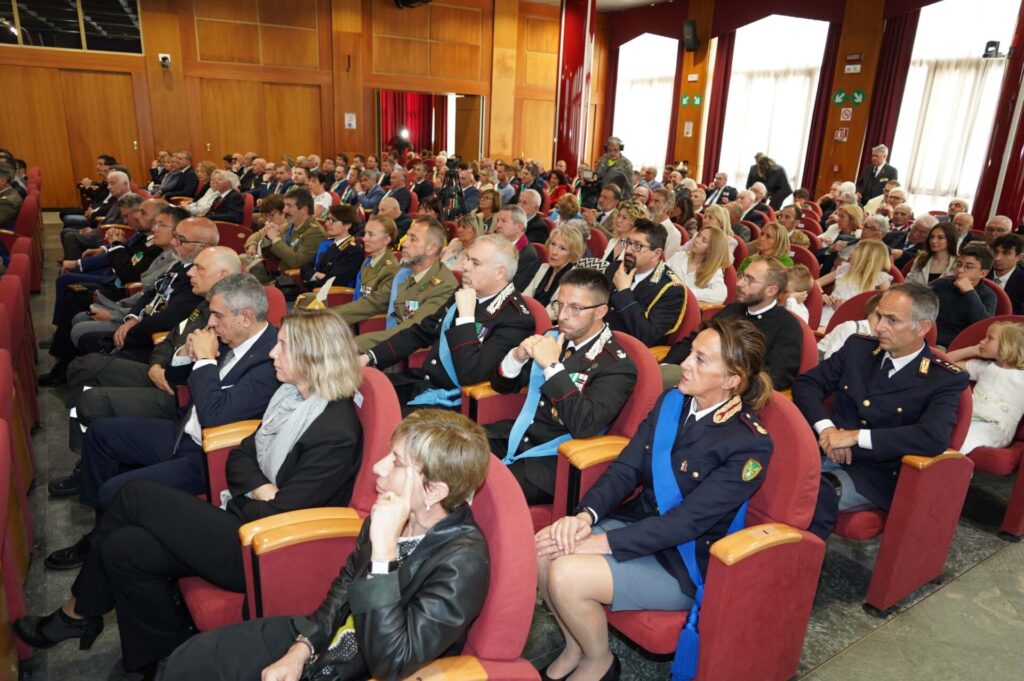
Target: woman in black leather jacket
[(407, 594)]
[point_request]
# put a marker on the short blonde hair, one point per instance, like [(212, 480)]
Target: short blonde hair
[(573, 237), (567, 206), (801, 278), (474, 221), (1011, 344), (781, 239), (449, 448), (854, 212), (721, 214), (323, 352), (634, 209)]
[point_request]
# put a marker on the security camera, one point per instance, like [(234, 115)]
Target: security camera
[(165, 61)]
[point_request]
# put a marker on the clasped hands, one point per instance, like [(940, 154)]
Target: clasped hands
[(202, 344), (542, 348), (838, 444), (570, 535)]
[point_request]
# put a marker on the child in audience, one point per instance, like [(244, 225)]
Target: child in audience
[(701, 269), (800, 282), (999, 376), (867, 270), (833, 340)]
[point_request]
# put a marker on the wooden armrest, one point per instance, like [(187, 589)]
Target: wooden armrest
[(787, 393), (159, 336), (457, 668), (591, 451), (305, 515), (819, 334), (753, 540), (481, 390), (704, 307), (338, 289), (133, 287), (923, 462), (228, 435), (294, 272), (659, 352), (281, 537)]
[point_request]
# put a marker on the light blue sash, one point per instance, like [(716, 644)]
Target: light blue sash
[(400, 277), (359, 281), (439, 396), (668, 495), (525, 418)]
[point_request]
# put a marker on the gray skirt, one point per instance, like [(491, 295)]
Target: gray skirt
[(641, 583)]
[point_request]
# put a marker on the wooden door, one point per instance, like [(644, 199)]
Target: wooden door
[(101, 120), (233, 114), (534, 134), (292, 120), (467, 126)]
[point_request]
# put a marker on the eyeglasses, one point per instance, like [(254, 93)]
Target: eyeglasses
[(997, 230), (572, 310), (634, 245), (747, 279), (182, 240)]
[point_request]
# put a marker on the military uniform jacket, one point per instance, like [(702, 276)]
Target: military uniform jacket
[(418, 300), (10, 204), (583, 400), (375, 284), (719, 462), (477, 349), (179, 305), (652, 310), (911, 413), (341, 262), (300, 247), (165, 349)]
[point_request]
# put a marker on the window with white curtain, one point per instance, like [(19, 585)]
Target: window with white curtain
[(950, 99), (643, 98), (774, 81)]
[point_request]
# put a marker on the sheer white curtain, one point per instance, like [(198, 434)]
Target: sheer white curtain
[(643, 98), (950, 99), (772, 87)]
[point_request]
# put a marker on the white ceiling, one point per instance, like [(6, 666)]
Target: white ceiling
[(610, 5)]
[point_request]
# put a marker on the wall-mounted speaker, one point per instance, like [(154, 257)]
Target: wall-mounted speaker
[(690, 40)]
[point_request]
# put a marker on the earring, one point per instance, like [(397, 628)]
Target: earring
[(426, 508)]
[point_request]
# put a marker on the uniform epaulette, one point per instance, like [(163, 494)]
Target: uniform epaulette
[(727, 410), (948, 366), (747, 419), (521, 305), (866, 336)]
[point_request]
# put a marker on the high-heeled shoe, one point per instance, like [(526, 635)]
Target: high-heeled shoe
[(544, 676), (48, 631)]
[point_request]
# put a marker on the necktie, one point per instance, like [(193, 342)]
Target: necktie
[(216, 204), (225, 358), (887, 367)]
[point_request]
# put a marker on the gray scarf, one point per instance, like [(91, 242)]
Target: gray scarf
[(286, 419)]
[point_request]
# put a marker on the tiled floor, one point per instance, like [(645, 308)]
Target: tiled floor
[(969, 628)]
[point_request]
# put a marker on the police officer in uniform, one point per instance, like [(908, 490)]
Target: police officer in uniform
[(893, 397), (339, 255), (587, 378), (417, 290), (468, 336), (647, 297)]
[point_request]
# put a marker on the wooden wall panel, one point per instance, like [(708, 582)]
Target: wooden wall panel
[(228, 41), (290, 47), (456, 25), (400, 57), (228, 127), (165, 88), (101, 119), (503, 79), (467, 127), (450, 60), (293, 123), (535, 124), (228, 10), (33, 126), (388, 20), (297, 13), (598, 90), (349, 61), (541, 69)]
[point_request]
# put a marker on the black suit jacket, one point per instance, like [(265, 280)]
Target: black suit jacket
[(247, 180), (529, 263), (175, 338), (913, 412), (477, 349), (183, 183), (403, 222), (727, 194), (652, 310), (320, 469), (179, 305), (341, 263), (783, 335), (870, 186), (1014, 288), (712, 459), (777, 184), (423, 189), (898, 240), (228, 208), (401, 195), (537, 230)]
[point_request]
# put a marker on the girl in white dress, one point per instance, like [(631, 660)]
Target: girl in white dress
[(868, 270), (701, 268), (999, 376)]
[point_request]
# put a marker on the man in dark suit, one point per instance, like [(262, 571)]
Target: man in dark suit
[(229, 206), (719, 192), (772, 178), (370, 193), (963, 223), (536, 228), (79, 233), (752, 207), (182, 180), (423, 186), (647, 297), (231, 377), (1007, 252), (253, 175), (892, 396), (906, 245), (757, 294), (587, 378), (280, 182), (468, 336), (398, 191), (511, 223), (470, 193), (872, 181), (389, 208)]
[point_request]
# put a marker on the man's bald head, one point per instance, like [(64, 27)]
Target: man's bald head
[(389, 208), (149, 209), (210, 266), (193, 235)]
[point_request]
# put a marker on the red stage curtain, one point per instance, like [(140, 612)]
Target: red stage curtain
[(716, 112), (890, 81), (410, 110), (441, 129), (822, 100)]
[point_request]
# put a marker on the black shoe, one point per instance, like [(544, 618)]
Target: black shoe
[(58, 376), (69, 485), (46, 343), (544, 676), (70, 557), (615, 671), (46, 632)]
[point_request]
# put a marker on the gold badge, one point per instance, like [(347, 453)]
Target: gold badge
[(682, 466), (727, 410), (436, 281), (923, 368), (751, 469), (759, 428)]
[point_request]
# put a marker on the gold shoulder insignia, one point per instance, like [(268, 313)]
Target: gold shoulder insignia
[(436, 281), (727, 410), (923, 367), (876, 350), (759, 428), (948, 366)]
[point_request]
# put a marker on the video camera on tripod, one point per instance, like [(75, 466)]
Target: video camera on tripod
[(590, 189), (453, 203)]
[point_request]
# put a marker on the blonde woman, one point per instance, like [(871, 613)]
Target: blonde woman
[(867, 270), (849, 219), (717, 217), (626, 215), (468, 228), (702, 267), (773, 243), (565, 248)]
